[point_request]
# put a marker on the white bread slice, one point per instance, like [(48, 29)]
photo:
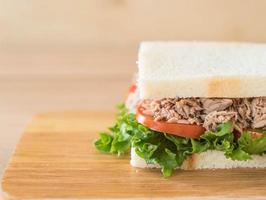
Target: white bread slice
[(201, 69), (207, 160)]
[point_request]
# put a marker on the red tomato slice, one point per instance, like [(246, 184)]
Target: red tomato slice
[(182, 130), (132, 88)]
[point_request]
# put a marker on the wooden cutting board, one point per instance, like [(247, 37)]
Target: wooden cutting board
[(56, 159)]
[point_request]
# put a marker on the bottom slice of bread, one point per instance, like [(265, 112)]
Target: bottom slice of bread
[(210, 159)]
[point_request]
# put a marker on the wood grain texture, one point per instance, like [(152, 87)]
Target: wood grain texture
[(55, 159), (35, 80)]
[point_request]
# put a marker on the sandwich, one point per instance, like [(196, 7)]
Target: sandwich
[(195, 105)]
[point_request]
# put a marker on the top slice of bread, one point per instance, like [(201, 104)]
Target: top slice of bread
[(202, 69)]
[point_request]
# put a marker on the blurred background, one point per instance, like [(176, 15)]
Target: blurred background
[(81, 54)]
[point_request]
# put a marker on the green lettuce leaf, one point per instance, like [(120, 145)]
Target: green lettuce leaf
[(118, 140), (222, 140), (104, 143), (239, 154), (169, 151), (167, 160), (252, 145), (156, 149)]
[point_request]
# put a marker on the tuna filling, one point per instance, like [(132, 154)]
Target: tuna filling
[(245, 113)]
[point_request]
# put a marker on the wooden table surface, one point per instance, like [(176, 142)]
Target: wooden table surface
[(56, 159), (33, 81)]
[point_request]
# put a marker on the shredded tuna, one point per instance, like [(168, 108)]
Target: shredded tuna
[(259, 112), (211, 105), (245, 113), (217, 117)]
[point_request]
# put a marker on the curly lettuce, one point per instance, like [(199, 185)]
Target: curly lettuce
[(252, 145), (169, 151)]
